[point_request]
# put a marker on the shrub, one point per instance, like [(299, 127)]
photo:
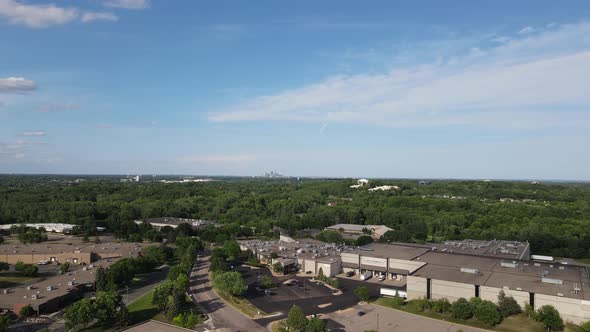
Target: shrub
[(316, 325), (27, 270), (585, 326), (487, 312), (26, 311), (186, 320), (507, 305), (441, 306), (422, 304), (461, 309), (266, 281), (278, 268), (362, 293), (550, 318)]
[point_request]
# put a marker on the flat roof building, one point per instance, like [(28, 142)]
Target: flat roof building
[(172, 222), (375, 231)]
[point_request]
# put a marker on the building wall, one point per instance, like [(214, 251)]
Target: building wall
[(574, 310), (35, 258), (349, 258), (451, 290), (309, 266), (402, 264), (366, 260), (491, 294), (416, 287)]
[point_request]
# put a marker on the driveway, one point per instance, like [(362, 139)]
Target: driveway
[(223, 317)]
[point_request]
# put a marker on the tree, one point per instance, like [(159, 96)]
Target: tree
[(550, 318), (106, 306), (4, 322), (278, 268), (230, 282), (27, 270), (362, 293), (316, 325), (507, 305), (364, 240), (186, 320), (65, 267), (266, 281), (80, 313), (26, 311), (296, 318), (161, 294), (585, 326), (181, 282), (461, 309), (232, 249), (4, 266), (487, 312)]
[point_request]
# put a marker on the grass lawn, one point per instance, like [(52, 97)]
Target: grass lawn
[(12, 279), (240, 303), (519, 323), (583, 260), (142, 309)]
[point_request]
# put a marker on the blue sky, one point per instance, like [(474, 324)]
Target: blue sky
[(429, 89)]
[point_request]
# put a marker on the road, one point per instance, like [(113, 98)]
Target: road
[(380, 318), (223, 317)]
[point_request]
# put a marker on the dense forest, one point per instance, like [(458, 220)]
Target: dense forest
[(553, 217)]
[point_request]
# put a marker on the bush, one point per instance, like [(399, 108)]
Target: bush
[(266, 281), (507, 305), (26, 311), (186, 320), (27, 270), (4, 266), (441, 306), (585, 326), (296, 318), (278, 268), (461, 309), (487, 312), (422, 304), (550, 318), (362, 293), (230, 282), (398, 301), (316, 325)]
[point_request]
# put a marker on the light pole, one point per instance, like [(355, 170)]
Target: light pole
[(127, 288)]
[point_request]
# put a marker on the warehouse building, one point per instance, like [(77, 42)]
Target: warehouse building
[(158, 223), (354, 230)]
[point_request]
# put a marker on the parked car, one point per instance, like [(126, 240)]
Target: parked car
[(361, 313), (381, 278), (350, 273)]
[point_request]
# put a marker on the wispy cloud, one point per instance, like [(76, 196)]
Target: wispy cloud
[(127, 4), (33, 133), (524, 79), (526, 30), (48, 108), (16, 85), (46, 15), (96, 16)]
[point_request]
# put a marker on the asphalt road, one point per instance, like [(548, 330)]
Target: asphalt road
[(223, 317)]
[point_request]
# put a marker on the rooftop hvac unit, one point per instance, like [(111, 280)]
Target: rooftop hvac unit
[(506, 287), (518, 288), (507, 264), (559, 294), (469, 270), (562, 268), (552, 281), (5, 291), (34, 296), (49, 288), (537, 264)]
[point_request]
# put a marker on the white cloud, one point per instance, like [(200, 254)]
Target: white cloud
[(34, 133), (93, 16), (46, 15), (127, 4), (520, 80), (16, 84), (526, 30)]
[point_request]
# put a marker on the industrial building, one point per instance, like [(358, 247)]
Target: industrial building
[(305, 255), (52, 293), (475, 269), (355, 230), (158, 223)]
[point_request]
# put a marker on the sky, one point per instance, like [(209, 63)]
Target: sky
[(421, 89)]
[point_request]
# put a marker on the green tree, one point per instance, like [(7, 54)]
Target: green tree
[(107, 306), (230, 282), (266, 281), (296, 318), (161, 294), (4, 322), (362, 293), (80, 313), (550, 318), (186, 320), (278, 268), (364, 240), (232, 249), (316, 325), (507, 305), (585, 326), (26, 311), (65, 267), (487, 312), (181, 282), (4, 266), (461, 309), (27, 270)]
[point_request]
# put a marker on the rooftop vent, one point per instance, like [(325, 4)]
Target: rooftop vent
[(469, 270), (518, 288), (552, 281), (507, 264)]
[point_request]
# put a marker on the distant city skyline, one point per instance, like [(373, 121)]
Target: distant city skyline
[(331, 89)]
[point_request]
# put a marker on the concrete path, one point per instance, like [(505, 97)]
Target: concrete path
[(222, 316)]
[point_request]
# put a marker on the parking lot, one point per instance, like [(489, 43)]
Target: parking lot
[(312, 297)]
